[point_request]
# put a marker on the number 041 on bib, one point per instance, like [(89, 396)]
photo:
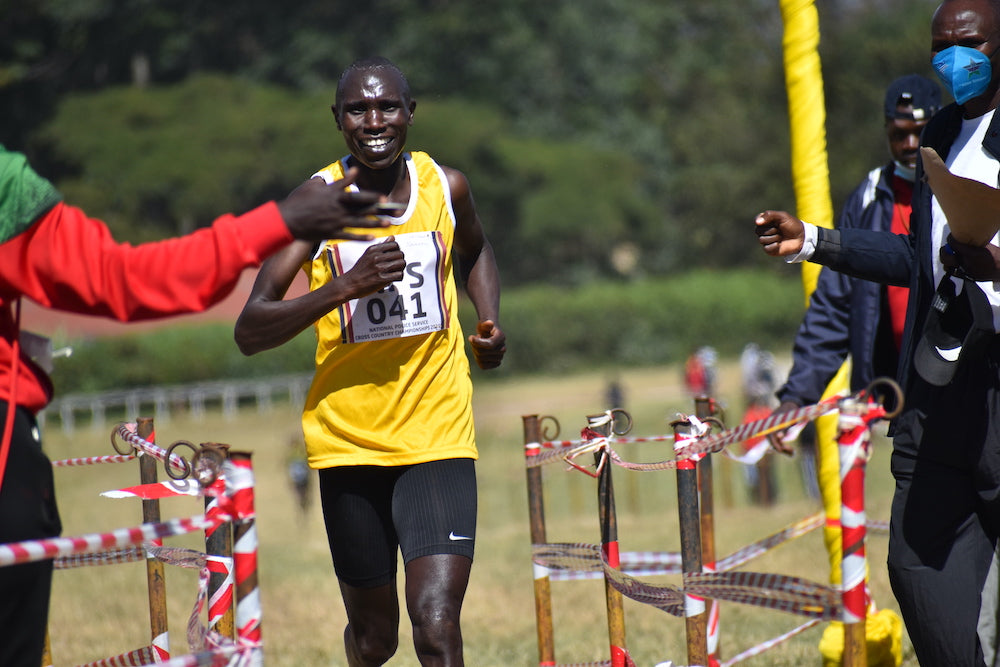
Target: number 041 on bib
[(413, 306)]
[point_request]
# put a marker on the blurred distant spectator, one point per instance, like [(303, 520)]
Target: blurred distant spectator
[(299, 474), (700, 372), (759, 377), (615, 395)]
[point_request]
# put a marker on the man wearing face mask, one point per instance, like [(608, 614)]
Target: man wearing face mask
[(850, 316), (945, 518)]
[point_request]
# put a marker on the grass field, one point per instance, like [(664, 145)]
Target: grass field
[(99, 612)]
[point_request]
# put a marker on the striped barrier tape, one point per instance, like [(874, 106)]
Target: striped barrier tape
[(712, 630), (239, 488), (649, 563), (176, 556), (34, 550), (127, 555), (577, 562), (533, 450), (159, 490), (768, 590), (711, 444), (772, 591), (568, 561), (233, 502), (161, 646), (222, 599), (695, 447), (222, 651), (770, 643), (235, 509), (780, 592), (93, 460), (228, 656), (854, 450), (127, 432), (141, 656), (762, 546)]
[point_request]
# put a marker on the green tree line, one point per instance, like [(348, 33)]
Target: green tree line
[(603, 138)]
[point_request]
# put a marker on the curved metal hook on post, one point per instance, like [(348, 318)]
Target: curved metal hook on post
[(714, 421), (173, 474), (548, 427), (132, 449), (893, 386), (114, 441), (205, 464), (686, 420), (617, 415)]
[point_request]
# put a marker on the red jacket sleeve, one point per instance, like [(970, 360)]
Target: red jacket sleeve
[(70, 262)]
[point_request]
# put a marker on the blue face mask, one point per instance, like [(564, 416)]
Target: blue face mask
[(964, 71)]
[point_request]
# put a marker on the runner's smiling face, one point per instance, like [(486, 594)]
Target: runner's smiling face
[(374, 113)]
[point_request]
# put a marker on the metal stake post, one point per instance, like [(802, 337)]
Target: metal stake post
[(536, 512), (696, 618), (601, 425), (155, 576), (705, 408)]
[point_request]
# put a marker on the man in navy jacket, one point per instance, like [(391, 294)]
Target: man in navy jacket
[(945, 518), (850, 315)]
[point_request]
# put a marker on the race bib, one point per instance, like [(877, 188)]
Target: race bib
[(415, 305)]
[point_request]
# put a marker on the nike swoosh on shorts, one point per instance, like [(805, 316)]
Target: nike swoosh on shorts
[(949, 355)]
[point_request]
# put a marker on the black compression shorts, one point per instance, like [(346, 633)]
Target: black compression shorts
[(371, 511)]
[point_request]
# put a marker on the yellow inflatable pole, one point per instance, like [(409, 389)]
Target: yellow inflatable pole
[(807, 121), (811, 181)]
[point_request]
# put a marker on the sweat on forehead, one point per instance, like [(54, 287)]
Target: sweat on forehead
[(374, 63), (994, 5)]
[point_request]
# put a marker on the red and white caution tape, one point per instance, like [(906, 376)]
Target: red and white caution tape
[(159, 490), (853, 446), (222, 599), (93, 460), (142, 656), (127, 432), (239, 487), (34, 550)]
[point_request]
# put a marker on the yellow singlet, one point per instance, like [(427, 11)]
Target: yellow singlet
[(392, 384)]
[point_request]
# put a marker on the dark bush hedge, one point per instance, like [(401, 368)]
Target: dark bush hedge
[(550, 329)]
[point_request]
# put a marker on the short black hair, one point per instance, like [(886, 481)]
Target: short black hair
[(369, 63)]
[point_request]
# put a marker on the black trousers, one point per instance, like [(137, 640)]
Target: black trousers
[(945, 517), (27, 512)]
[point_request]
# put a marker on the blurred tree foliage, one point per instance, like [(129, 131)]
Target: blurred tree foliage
[(602, 137)]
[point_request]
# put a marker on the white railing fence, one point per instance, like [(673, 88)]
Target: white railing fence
[(95, 410)]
